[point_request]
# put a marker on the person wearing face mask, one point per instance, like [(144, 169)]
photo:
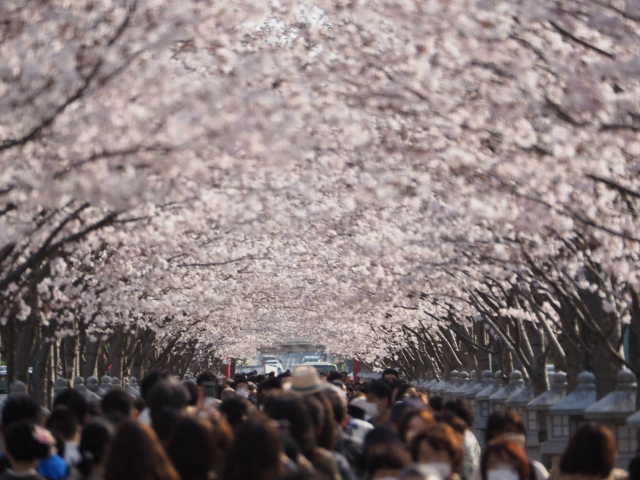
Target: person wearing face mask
[(379, 398), (439, 447), (508, 426), (504, 460)]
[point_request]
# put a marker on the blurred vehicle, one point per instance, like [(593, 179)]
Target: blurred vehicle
[(310, 358), (265, 358), (276, 363)]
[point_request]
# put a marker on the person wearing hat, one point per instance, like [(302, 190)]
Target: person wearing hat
[(304, 381)]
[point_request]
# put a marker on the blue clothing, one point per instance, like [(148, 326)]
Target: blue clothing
[(53, 468)]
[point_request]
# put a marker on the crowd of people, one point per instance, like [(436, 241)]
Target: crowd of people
[(295, 426)]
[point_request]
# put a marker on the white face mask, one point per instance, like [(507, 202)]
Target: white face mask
[(242, 392), (502, 473), (371, 409), (441, 468)]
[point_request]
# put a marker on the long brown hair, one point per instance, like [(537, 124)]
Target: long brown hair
[(191, 447), (510, 450), (257, 451), (591, 451), (440, 436), (136, 454)]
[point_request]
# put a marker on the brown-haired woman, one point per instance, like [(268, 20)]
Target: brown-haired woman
[(439, 447), (191, 447), (590, 454), (504, 460), (257, 452), (412, 422), (136, 454)]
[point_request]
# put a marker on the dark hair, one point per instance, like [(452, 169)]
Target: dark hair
[(206, 377), (238, 380), (634, 468), (192, 388), (63, 421), (21, 407), (270, 384), (235, 410), (96, 436), (117, 400), (436, 403), (295, 411), (392, 457), (149, 380), (136, 454), (256, 452), (22, 444), (460, 408), (322, 417), (402, 390), (334, 375), (503, 449), (440, 436), (337, 405), (191, 448), (591, 451), (452, 420), (168, 393), (505, 421), (390, 371), (222, 442), (74, 401), (381, 390), (407, 416)]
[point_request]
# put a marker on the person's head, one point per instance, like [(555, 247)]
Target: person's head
[(380, 395), (440, 447), (390, 374), (96, 438), (413, 421), (323, 421), (191, 448), (166, 400), (74, 401), (149, 381), (21, 407), (235, 410), (207, 377), (591, 451), (136, 454), (256, 452), (192, 388), (405, 390), (118, 401), (386, 461), (63, 421), (399, 409), (222, 442), (461, 409), (241, 383), (506, 425), (436, 404), (452, 420), (26, 444), (634, 467), (292, 409), (227, 393), (504, 460), (334, 376)]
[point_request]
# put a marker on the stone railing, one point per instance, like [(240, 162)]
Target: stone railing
[(552, 417)]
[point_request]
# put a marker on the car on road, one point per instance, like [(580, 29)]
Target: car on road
[(276, 364), (266, 358), (310, 359)]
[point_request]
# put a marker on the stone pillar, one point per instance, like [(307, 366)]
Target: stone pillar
[(538, 411), (482, 405), (487, 380), (565, 416), (613, 410), (498, 399), (105, 383)]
